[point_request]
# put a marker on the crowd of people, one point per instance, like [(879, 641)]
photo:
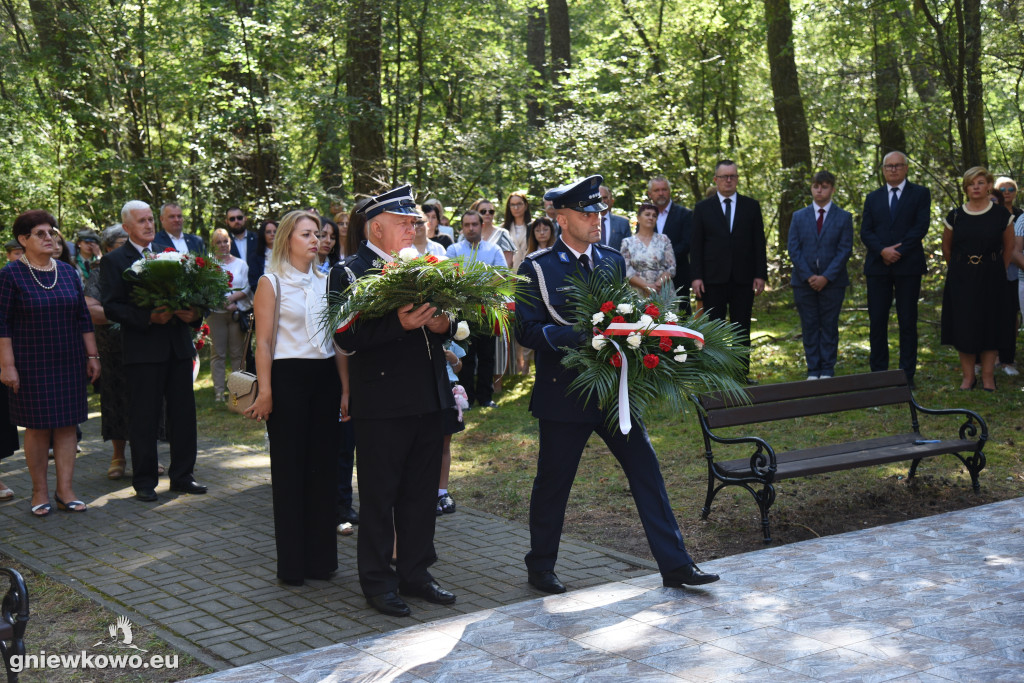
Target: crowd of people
[(67, 319)]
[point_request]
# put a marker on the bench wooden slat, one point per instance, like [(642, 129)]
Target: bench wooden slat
[(822, 387), (802, 407), (835, 457)]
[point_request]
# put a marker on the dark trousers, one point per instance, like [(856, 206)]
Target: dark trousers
[(399, 464), (882, 291), (477, 375), (736, 300), (819, 322), (346, 461), (561, 445), (303, 430), (1011, 307), (149, 384)]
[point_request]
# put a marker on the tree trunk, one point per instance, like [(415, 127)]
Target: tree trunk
[(535, 56), (794, 141), (366, 116), (975, 149), (888, 87), (558, 22)]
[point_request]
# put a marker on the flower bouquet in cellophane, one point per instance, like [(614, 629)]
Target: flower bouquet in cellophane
[(178, 281), (469, 291), (638, 352)]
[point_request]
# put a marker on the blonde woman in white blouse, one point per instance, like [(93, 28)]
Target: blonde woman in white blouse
[(300, 397)]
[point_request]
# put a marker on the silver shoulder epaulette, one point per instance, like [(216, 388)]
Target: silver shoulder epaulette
[(539, 252)]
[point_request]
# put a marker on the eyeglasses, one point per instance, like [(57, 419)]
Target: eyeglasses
[(232, 219), (487, 212), (894, 167), (43, 234), (1007, 189), (728, 177)]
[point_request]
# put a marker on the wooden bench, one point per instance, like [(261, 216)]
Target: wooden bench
[(832, 395), (13, 620)]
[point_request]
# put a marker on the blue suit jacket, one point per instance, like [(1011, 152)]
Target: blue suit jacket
[(619, 230), (908, 227), (254, 255), (542, 325), (163, 241), (825, 254)]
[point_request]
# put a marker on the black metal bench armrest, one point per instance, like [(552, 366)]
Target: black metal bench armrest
[(762, 461), (968, 430), (14, 609)]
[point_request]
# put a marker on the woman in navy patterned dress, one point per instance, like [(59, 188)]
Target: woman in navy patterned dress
[(47, 350)]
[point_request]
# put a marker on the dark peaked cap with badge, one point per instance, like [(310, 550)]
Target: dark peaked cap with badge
[(580, 195), (398, 200)]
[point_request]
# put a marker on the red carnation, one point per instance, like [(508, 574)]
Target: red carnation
[(607, 307), (651, 361), (616, 360), (665, 344), (200, 261), (170, 249), (231, 278), (618, 319), (652, 310), (432, 259), (199, 344)]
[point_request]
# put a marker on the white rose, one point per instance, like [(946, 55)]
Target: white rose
[(680, 349), (624, 309), (680, 358), (597, 318), (138, 266), (671, 317), (461, 330), (634, 340), (645, 320), (598, 342), (408, 254)]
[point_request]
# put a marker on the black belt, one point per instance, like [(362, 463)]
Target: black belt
[(975, 259)]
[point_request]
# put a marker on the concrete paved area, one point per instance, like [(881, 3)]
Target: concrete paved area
[(934, 599), (200, 570)]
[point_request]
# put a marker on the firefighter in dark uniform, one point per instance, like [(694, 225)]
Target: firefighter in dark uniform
[(566, 421)]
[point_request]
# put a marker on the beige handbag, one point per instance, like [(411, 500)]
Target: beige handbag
[(242, 386)]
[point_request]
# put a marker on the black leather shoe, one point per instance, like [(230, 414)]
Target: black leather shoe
[(545, 581), (146, 495), (389, 603), (188, 487), (690, 575), (489, 404), (350, 516), (429, 591)]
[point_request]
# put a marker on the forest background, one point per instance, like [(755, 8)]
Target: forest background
[(272, 104)]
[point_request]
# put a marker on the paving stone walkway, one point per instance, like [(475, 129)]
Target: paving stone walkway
[(199, 571), (934, 600)]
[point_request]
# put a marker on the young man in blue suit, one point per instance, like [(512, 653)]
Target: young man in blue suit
[(894, 223), (172, 235), (566, 420), (820, 243), (614, 228)]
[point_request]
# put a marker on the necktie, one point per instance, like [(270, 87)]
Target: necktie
[(821, 219), (728, 213), (605, 230), (584, 261), (895, 200)]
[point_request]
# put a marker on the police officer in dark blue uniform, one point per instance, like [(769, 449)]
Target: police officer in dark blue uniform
[(566, 420)]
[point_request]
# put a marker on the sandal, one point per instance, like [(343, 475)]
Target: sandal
[(5, 493), (41, 510), (445, 504), (116, 469), (70, 506)]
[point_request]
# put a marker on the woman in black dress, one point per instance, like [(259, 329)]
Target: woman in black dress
[(977, 243), (47, 349)]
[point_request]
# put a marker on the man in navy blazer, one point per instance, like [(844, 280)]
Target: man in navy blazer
[(245, 245), (894, 223), (614, 228), (675, 222), (728, 251), (820, 243), (566, 419), (172, 236)]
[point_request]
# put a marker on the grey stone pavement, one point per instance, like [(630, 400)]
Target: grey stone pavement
[(934, 599)]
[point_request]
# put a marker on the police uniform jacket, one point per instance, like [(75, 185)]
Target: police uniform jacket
[(394, 372), (542, 324)]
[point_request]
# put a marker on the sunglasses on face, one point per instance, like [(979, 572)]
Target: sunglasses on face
[(487, 212), (233, 219)]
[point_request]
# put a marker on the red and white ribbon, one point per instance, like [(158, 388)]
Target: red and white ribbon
[(664, 330)]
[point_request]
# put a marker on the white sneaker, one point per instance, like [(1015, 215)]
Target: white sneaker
[(1010, 370), (810, 377)]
